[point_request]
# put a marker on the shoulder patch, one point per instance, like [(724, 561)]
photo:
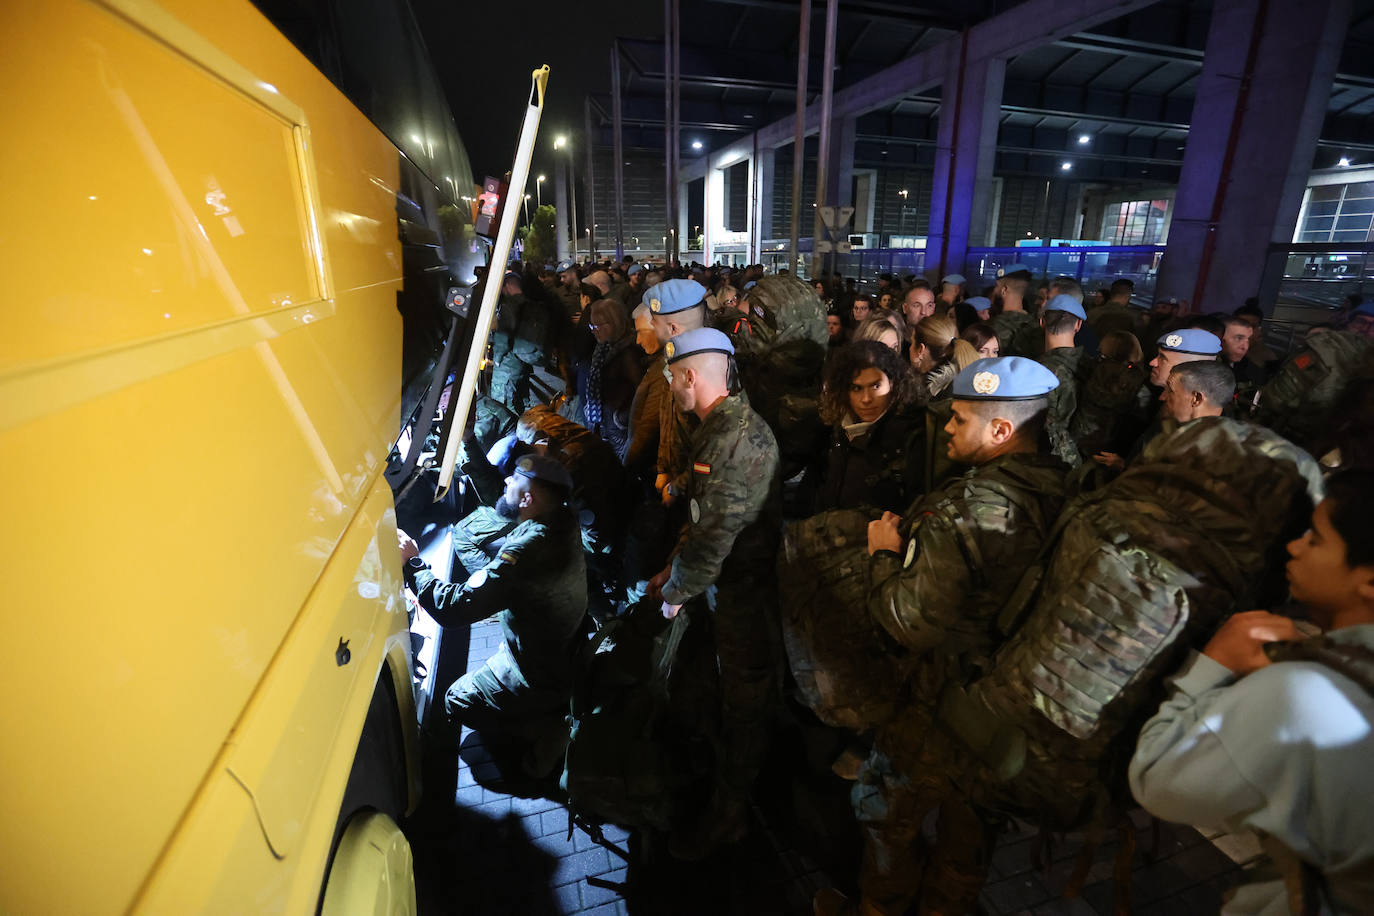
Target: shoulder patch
[(507, 556), (1303, 361), (701, 467)]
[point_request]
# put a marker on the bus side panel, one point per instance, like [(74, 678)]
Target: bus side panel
[(187, 427), (292, 753)]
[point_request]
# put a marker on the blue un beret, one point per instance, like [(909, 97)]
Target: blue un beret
[(1364, 308), (955, 279), (978, 303), (634, 269), (672, 296), (702, 340), (1063, 303), (542, 467), (1013, 269), (1004, 378), (565, 266), (1191, 340)]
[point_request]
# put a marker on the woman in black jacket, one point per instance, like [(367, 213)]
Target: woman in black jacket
[(875, 408)]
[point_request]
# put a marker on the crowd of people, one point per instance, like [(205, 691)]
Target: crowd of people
[(729, 450)]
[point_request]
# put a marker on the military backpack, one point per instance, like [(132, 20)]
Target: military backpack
[(1133, 575)]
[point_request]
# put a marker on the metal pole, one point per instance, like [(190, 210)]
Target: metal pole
[(675, 242), (668, 150), (591, 181), (572, 200), (618, 152), (823, 159), (799, 140)]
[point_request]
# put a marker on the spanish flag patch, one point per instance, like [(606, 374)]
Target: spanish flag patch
[(701, 467), (507, 557)]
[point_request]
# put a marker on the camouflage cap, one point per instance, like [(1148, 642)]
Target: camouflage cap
[(1190, 340), (702, 340), (1004, 378), (672, 296)]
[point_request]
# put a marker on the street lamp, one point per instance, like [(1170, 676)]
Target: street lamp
[(560, 141), (526, 204), (538, 188)]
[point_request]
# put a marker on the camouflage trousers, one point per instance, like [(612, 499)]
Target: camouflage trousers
[(908, 776), (510, 384), (748, 647)]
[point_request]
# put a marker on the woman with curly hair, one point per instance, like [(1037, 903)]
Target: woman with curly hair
[(873, 405)]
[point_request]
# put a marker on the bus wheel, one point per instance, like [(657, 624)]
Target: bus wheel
[(373, 872)]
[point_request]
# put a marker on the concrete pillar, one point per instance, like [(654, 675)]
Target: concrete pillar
[(714, 215), (764, 165), (839, 179), (751, 247), (1261, 99), (560, 209), (965, 153), (684, 232)]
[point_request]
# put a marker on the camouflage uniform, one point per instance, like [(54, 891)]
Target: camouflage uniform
[(1015, 333), (537, 587), (1116, 316), (1297, 401), (517, 347), (726, 555), (478, 538), (1066, 363), (969, 545)]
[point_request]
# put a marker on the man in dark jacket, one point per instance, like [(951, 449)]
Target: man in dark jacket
[(537, 586)]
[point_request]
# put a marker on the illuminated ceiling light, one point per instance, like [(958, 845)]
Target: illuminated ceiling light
[(696, 144), (1084, 138), (1344, 163), (1065, 166)]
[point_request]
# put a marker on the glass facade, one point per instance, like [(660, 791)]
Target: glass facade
[(1135, 222), (1338, 213)]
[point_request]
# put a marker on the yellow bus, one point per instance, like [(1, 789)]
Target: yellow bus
[(224, 290)]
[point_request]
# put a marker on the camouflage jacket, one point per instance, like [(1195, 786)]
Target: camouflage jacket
[(537, 585), (1066, 363), (969, 543), (1114, 316), (1015, 333), (523, 329), (732, 499), (1297, 401)]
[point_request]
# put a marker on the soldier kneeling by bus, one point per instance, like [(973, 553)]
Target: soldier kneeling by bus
[(537, 587)]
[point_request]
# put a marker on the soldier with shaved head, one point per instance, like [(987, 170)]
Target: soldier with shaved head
[(723, 569)]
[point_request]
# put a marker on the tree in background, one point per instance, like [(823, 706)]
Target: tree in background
[(540, 246)]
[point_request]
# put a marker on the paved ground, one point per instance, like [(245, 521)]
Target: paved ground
[(493, 851)]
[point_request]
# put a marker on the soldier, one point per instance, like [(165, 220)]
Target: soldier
[(1175, 348), (569, 290), (518, 345), (537, 586), (1115, 314), (725, 561), (1198, 389), (951, 290), (675, 307), (1014, 325), (937, 591), (1062, 320), (1298, 401), (1185, 345)]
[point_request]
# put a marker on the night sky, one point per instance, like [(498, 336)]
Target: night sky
[(484, 55)]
